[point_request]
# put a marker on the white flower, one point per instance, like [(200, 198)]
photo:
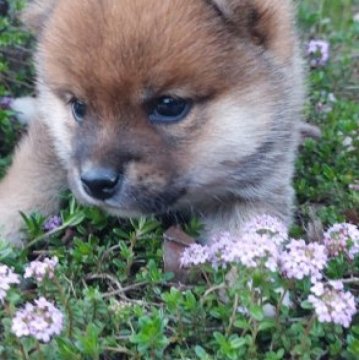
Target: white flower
[(7, 278), (318, 50), (252, 250), (342, 238), (41, 320), (332, 304), (41, 269), (301, 260), (194, 255), (259, 242)]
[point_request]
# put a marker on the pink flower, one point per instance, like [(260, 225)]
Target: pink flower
[(41, 269), (342, 238), (7, 278), (251, 250), (194, 255), (301, 260), (260, 243), (221, 244), (41, 320), (332, 304), (318, 51)]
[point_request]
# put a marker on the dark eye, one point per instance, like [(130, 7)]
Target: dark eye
[(168, 109), (78, 110)]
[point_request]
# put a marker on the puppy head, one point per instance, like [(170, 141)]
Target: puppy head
[(150, 102)]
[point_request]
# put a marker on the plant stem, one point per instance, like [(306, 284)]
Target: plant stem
[(279, 305), (65, 303), (48, 234), (39, 351), (119, 350), (306, 332), (234, 313), (211, 290), (129, 261), (25, 356)]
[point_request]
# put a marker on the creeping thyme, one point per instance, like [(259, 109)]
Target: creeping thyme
[(41, 320), (41, 269), (52, 223), (300, 260), (7, 278), (318, 52), (332, 304), (342, 238)]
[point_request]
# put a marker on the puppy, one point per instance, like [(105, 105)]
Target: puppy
[(159, 107)]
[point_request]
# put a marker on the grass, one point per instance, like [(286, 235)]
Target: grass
[(327, 168), (119, 303)]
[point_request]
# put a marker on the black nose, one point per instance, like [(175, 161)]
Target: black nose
[(100, 183)]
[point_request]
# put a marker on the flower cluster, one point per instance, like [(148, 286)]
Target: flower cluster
[(194, 255), (7, 278), (252, 250), (52, 223), (264, 242), (42, 320), (41, 270), (342, 238), (259, 244), (300, 260), (332, 304), (318, 52), (5, 102)]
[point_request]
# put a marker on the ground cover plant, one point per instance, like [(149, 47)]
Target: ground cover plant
[(92, 287)]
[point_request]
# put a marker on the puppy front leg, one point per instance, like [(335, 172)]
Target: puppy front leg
[(32, 184)]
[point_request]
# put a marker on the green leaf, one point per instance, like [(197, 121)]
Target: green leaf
[(355, 329), (67, 349), (275, 355), (353, 347), (267, 324), (201, 353), (238, 342), (151, 335), (306, 305), (256, 312), (89, 343)]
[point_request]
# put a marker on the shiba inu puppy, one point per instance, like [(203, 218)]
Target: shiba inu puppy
[(157, 106)]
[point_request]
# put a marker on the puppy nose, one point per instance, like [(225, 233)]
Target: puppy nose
[(100, 183)]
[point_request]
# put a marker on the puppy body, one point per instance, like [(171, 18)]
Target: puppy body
[(33, 182), (231, 157)]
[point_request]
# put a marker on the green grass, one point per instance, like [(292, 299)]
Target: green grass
[(119, 303), (327, 168)]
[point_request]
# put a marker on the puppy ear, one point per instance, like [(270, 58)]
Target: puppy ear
[(36, 13), (268, 23)]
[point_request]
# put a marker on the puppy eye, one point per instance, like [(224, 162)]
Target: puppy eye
[(169, 109), (79, 109)]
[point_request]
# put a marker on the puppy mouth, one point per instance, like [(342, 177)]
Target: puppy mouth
[(129, 201)]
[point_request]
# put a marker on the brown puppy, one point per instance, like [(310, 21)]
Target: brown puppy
[(152, 106)]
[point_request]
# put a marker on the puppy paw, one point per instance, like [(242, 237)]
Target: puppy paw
[(11, 230)]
